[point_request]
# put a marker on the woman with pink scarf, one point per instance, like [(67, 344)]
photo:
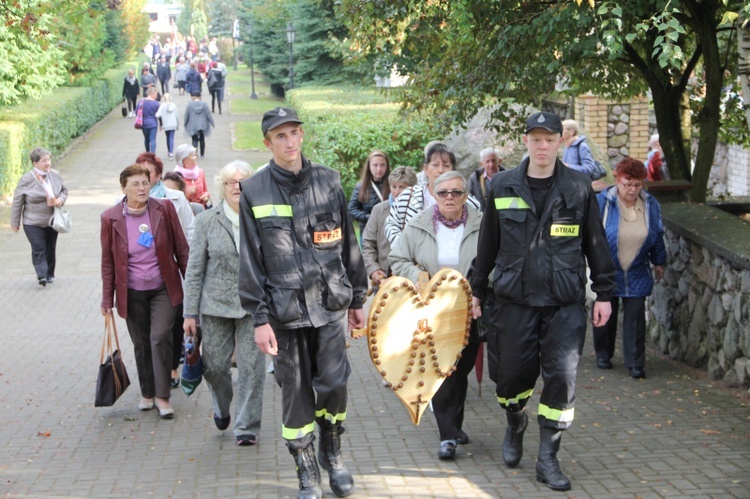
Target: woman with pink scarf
[(196, 189)]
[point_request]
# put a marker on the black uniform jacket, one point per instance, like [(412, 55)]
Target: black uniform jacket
[(538, 258), (300, 264)]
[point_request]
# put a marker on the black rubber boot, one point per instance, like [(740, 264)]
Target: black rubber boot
[(547, 468), (308, 472), (513, 443), (329, 456)]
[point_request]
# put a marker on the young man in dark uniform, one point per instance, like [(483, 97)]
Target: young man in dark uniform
[(540, 225), (303, 279)]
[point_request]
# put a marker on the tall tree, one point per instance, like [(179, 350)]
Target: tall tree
[(31, 63), (317, 53), (462, 55), (221, 16), (136, 23)]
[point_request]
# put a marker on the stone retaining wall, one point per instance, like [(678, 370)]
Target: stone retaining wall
[(698, 313)]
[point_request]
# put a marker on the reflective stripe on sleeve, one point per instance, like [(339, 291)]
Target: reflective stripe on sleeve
[(272, 210), (511, 204)]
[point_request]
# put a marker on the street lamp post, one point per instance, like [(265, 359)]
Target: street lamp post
[(235, 37), (290, 32), (252, 68)]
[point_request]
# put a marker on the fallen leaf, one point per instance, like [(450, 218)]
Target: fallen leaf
[(711, 432), (43, 434)]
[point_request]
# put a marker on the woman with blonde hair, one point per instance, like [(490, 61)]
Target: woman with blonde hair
[(170, 121), (211, 298)]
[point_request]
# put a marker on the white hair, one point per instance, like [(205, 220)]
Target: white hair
[(487, 152), (229, 171)]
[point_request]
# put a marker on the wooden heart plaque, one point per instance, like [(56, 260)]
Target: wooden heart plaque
[(416, 338)]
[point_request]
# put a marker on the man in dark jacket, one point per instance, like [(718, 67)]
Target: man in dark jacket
[(164, 74), (301, 277), (540, 226), (479, 181)]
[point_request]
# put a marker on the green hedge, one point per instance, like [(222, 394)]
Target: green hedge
[(53, 122), (343, 124)]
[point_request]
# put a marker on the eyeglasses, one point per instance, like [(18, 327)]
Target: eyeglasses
[(231, 183), (455, 193), (629, 186)]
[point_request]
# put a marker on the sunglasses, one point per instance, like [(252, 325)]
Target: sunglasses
[(455, 193)]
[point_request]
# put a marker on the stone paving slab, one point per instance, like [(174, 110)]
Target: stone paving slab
[(674, 434)]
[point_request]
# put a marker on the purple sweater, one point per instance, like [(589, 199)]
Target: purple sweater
[(149, 113), (144, 273)]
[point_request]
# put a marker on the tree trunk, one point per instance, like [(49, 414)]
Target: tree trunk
[(709, 117), (667, 107)]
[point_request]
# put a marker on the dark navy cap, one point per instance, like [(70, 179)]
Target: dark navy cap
[(548, 121), (278, 116)]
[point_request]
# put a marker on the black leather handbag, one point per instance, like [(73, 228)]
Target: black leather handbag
[(113, 378)]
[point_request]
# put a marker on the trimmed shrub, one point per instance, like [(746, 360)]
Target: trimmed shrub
[(343, 125), (53, 122)]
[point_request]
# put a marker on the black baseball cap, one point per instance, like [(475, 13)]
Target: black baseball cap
[(548, 121), (278, 116)]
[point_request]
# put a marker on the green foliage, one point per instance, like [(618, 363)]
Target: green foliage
[(344, 124), (52, 122), (317, 53), (200, 24), (136, 24), (463, 55), (221, 15), (31, 64)]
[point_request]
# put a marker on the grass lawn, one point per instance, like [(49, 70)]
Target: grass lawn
[(246, 105), (247, 135)]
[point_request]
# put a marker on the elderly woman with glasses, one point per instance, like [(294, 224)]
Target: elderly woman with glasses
[(211, 296), (635, 233), (444, 236)]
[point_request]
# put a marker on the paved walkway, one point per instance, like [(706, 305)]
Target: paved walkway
[(672, 435)]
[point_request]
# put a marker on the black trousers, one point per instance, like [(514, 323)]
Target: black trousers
[(488, 328), (540, 340), (200, 138), (214, 98), (164, 86), (150, 317), (448, 402), (132, 100), (312, 369), (43, 243), (633, 332)]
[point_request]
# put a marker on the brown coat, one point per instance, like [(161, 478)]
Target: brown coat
[(171, 251)]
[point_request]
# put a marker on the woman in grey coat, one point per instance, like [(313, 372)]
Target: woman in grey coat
[(211, 293), (198, 122), (37, 194)]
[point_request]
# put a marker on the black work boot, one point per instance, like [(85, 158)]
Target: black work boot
[(308, 472), (547, 468), (513, 443), (329, 456)]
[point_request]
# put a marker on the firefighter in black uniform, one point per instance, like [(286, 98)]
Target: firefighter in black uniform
[(540, 226), (303, 279)]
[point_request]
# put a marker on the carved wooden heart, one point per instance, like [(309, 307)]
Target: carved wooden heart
[(415, 339)]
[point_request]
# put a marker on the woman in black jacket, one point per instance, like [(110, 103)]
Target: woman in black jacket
[(130, 91), (372, 189)]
